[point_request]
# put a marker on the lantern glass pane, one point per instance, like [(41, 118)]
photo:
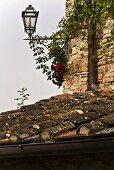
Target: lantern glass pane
[(33, 21), (30, 22), (30, 19)]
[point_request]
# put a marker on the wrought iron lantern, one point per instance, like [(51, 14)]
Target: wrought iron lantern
[(30, 16)]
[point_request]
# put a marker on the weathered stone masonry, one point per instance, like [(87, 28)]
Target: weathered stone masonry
[(77, 66)]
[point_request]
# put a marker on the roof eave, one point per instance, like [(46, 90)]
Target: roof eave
[(58, 148)]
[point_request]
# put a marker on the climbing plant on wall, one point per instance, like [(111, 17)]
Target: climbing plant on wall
[(90, 14), (86, 12), (52, 56)]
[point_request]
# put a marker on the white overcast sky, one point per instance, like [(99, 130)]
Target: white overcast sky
[(17, 65)]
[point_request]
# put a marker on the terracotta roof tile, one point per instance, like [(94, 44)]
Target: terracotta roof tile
[(61, 117)]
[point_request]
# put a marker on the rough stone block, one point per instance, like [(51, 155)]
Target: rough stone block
[(108, 79)]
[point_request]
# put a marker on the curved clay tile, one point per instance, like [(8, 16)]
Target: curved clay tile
[(66, 116)]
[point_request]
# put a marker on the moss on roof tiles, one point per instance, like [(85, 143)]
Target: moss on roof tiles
[(65, 116)]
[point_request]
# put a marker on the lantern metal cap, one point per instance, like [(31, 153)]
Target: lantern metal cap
[(30, 8)]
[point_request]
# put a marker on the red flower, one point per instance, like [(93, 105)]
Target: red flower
[(58, 66)]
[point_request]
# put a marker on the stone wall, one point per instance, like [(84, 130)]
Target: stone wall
[(75, 79), (100, 161), (105, 52)]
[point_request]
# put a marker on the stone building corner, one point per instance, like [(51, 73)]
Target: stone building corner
[(76, 76)]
